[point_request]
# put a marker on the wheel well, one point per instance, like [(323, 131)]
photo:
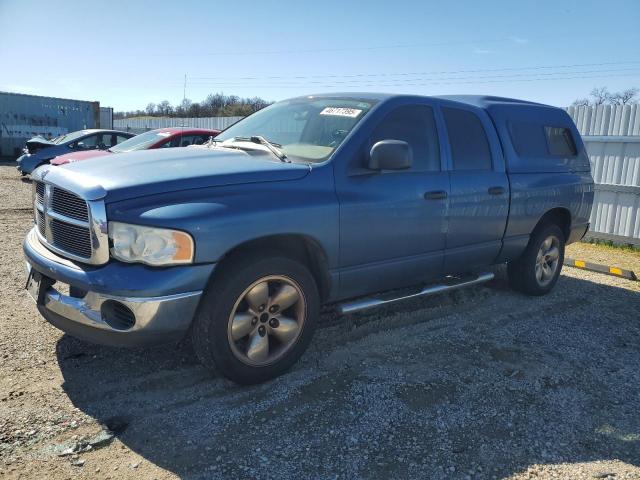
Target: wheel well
[(298, 247), (560, 217)]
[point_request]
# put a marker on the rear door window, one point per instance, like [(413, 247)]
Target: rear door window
[(468, 139)]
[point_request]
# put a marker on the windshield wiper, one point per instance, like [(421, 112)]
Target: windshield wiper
[(273, 147)]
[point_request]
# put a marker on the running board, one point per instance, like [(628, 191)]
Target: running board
[(371, 302)]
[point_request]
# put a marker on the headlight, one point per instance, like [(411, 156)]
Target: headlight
[(153, 246)]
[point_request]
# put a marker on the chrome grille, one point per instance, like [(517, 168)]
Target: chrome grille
[(69, 205), (69, 225), (39, 192), (40, 222), (70, 238)]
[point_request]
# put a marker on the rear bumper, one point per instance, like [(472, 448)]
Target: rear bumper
[(162, 301)]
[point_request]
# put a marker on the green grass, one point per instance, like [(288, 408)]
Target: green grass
[(609, 244)]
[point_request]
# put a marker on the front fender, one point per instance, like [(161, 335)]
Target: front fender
[(221, 218)]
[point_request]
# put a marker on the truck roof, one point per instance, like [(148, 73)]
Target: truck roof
[(480, 101)]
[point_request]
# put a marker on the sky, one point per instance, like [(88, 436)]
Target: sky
[(126, 54)]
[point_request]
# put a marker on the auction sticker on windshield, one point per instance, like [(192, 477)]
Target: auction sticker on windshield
[(341, 112)]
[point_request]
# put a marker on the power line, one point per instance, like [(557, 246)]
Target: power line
[(416, 79), (441, 72), (427, 83)]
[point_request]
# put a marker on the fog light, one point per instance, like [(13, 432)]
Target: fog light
[(117, 315)]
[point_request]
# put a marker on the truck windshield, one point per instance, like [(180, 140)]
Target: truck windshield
[(307, 129)]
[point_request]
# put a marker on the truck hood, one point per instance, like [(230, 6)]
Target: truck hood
[(149, 172)]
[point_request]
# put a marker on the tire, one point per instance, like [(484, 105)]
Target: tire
[(537, 275), (238, 293)]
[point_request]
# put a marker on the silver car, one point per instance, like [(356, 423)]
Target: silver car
[(39, 150)]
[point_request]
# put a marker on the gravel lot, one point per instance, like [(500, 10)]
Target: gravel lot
[(481, 383)]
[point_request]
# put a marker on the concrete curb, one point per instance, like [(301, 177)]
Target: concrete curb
[(595, 267)]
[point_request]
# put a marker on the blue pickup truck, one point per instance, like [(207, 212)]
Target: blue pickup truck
[(352, 200)]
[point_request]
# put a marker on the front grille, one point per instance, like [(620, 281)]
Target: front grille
[(71, 238), (69, 225), (40, 222), (40, 192), (69, 205)]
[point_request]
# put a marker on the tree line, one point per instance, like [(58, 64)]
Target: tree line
[(602, 96), (215, 105)]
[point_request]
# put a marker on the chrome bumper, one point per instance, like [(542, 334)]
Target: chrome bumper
[(157, 319)]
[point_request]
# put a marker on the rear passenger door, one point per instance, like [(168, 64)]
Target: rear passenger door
[(479, 198)]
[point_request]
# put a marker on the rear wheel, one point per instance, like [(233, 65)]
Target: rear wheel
[(257, 318), (537, 270)]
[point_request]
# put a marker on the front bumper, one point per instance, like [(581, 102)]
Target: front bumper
[(158, 318)]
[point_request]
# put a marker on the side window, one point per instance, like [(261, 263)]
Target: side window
[(120, 139), (107, 140), (187, 140), (560, 142), (528, 139), (468, 139), (533, 140), (169, 143), (414, 124), (88, 143)]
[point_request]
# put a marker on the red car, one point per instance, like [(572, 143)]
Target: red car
[(160, 138)]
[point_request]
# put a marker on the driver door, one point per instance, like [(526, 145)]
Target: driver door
[(393, 223)]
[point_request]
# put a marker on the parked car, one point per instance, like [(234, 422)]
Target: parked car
[(39, 150), (160, 138), (328, 199)]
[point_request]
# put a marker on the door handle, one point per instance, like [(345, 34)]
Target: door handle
[(496, 190), (435, 195)]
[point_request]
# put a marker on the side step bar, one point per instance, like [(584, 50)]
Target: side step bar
[(371, 302)]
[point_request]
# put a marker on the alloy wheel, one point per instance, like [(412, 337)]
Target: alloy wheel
[(547, 260), (266, 320)]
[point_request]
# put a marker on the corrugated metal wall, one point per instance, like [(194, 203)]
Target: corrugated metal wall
[(615, 166), (139, 125), (607, 119), (25, 116), (106, 117), (611, 134)]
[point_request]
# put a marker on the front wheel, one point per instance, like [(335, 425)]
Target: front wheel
[(537, 270), (256, 318)]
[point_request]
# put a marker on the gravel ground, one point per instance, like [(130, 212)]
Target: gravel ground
[(480, 383)]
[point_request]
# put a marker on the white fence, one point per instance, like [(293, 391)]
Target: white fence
[(615, 166), (607, 119), (139, 125)]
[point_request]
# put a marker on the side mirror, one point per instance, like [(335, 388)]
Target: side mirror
[(390, 155)]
